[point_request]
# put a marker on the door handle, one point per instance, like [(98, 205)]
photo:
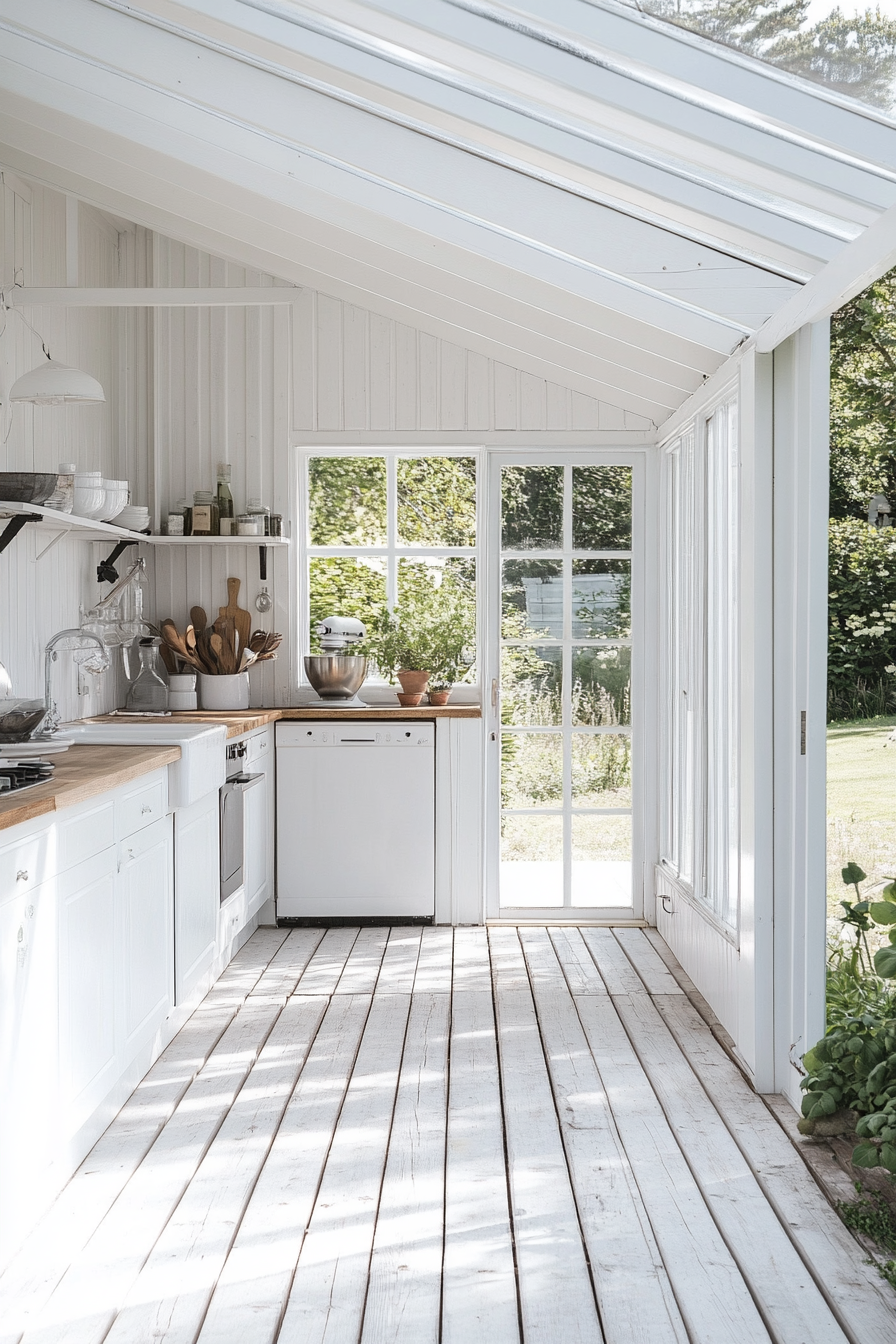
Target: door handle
[(494, 692)]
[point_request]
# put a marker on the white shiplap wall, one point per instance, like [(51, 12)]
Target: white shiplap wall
[(356, 370), (39, 596)]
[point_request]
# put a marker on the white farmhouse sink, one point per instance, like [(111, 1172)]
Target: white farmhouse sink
[(201, 768)]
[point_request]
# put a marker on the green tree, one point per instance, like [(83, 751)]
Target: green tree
[(852, 53), (863, 400)]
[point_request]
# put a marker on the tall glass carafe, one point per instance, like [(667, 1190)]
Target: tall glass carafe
[(148, 692)]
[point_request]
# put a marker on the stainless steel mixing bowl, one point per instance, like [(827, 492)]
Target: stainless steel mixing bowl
[(335, 676)]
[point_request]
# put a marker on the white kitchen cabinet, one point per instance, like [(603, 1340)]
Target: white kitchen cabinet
[(88, 1062), (28, 1053), (144, 954), (259, 823), (197, 893)]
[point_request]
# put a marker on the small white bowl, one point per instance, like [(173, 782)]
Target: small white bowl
[(116, 499)]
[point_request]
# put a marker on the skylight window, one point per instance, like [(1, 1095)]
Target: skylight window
[(847, 49)]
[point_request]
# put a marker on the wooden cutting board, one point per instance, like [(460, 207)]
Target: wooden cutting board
[(242, 621)]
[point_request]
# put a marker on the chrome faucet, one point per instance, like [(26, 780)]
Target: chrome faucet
[(95, 659)]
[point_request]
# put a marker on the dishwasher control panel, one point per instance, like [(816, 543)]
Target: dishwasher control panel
[(356, 734)]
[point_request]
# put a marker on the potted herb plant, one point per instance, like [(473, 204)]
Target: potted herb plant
[(399, 644)]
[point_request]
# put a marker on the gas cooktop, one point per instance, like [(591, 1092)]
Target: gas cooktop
[(18, 775)]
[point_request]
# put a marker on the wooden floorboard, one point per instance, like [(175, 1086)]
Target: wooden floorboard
[(437, 1136)]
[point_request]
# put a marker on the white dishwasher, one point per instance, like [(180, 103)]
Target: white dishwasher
[(355, 820)]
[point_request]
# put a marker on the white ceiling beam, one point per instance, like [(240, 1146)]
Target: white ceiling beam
[(851, 271), (172, 297)]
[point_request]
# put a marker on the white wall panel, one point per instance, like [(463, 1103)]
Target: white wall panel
[(222, 395), (40, 595), (355, 370)]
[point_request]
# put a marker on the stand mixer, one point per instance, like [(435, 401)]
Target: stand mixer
[(335, 675)]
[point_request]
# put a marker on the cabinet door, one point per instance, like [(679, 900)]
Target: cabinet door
[(197, 892), (258, 871), (144, 935), (28, 1052), (87, 1061)]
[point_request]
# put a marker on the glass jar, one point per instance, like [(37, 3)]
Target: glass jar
[(149, 690), (63, 497), (276, 525), (225, 501), (183, 507), (263, 513), (249, 525), (205, 514)]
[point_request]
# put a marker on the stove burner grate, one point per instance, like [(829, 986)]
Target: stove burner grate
[(18, 775)]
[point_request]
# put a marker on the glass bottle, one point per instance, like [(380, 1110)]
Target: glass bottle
[(263, 513), (225, 501), (205, 514), (149, 690)]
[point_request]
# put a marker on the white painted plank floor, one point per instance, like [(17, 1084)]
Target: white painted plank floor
[(517, 1136)]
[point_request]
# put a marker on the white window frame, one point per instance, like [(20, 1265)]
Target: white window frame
[(392, 552), (700, 819), (643, 772)]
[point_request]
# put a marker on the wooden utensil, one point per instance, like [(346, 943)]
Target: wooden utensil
[(216, 644), (228, 657), (168, 658), (242, 621), (173, 639), (199, 619)]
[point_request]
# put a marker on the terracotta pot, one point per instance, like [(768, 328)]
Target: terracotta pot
[(413, 683), (439, 697), (409, 699)]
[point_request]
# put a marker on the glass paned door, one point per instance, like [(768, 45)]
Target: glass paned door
[(564, 684)]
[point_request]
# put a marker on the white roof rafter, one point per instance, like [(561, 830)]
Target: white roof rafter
[(566, 185)]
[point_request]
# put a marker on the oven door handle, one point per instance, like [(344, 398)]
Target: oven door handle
[(245, 782)]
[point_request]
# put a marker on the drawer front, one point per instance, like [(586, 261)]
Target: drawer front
[(259, 744), (84, 834), (139, 805), (25, 864)]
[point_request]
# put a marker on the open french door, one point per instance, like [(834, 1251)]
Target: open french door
[(565, 617)]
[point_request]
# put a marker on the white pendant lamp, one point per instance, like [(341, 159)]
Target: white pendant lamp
[(52, 384)]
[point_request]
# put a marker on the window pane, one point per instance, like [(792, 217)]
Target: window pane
[(436, 501), (531, 684), (343, 586), (601, 770), (531, 861), (601, 686), (531, 508), (601, 599), (347, 501), (531, 770), (532, 599), (602, 861), (602, 508), (438, 595)]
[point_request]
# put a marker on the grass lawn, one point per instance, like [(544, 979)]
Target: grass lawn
[(861, 803)]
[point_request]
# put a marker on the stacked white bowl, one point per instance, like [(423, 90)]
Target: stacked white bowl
[(116, 498), (135, 517), (90, 494)]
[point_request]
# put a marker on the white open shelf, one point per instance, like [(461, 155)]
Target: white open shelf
[(91, 530)]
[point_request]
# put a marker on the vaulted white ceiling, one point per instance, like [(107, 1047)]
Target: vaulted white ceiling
[(565, 185)]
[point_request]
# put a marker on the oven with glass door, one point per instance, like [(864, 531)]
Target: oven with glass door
[(233, 826)]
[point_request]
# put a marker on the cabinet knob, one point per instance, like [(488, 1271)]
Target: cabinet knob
[(22, 875), (145, 808)]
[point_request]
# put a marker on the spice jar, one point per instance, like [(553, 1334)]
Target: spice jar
[(276, 525), (263, 513), (205, 514), (249, 525)]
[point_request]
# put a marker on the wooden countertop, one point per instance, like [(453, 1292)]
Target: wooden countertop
[(82, 772), (247, 720)]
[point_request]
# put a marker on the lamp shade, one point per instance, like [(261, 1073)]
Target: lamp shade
[(52, 383)]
